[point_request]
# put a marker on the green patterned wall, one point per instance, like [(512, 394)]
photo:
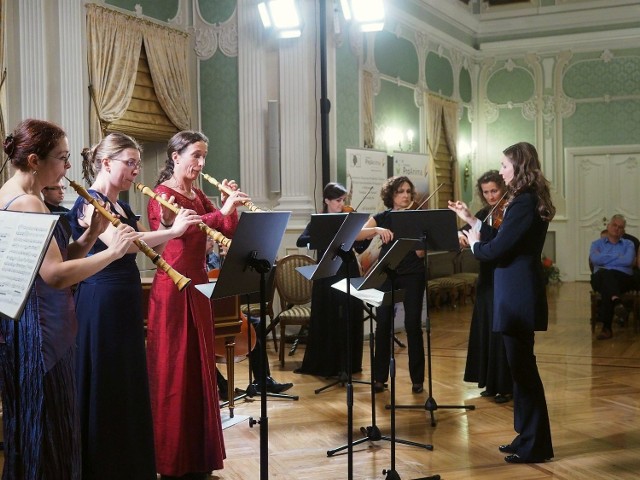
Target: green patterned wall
[(164, 10), (220, 116), (600, 83), (439, 74), (216, 11), (464, 137), (510, 86), (396, 57), (347, 106), (395, 108), (510, 127), (466, 91)]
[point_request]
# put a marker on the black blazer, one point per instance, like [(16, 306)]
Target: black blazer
[(520, 299)]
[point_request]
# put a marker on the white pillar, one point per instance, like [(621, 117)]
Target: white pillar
[(33, 71), (252, 102), (298, 122), (73, 71)]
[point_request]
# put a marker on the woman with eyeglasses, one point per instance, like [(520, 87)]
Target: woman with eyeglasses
[(398, 193), (113, 391), (45, 372), (180, 349)]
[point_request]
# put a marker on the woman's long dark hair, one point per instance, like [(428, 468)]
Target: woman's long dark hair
[(332, 190), (528, 176)]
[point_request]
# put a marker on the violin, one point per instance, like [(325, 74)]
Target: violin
[(496, 214)]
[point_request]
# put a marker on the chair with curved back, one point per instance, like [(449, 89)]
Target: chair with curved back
[(294, 291)]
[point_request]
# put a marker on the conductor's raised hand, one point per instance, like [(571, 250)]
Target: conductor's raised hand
[(461, 209)]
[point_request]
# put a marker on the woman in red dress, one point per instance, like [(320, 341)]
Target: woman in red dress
[(180, 349)]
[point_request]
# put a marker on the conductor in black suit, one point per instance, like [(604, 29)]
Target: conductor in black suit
[(520, 302)]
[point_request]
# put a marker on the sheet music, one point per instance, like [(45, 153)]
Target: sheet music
[(24, 238), (372, 296)]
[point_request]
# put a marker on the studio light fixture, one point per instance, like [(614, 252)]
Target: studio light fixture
[(369, 14), (281, 16)]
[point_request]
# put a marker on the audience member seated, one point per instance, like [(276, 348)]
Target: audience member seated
[(213, 260), (613, 258)]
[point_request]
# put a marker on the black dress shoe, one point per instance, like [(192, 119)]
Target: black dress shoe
[(507, 449), (417, 388), (515, 458), (378, 387), (275, 387), (487, 393), (502, 398)]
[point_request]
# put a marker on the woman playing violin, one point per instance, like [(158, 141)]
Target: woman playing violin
[(325, 354), (397, 193), (486, 357)]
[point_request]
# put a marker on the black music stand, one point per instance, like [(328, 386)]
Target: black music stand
[(248, 261), (338, 251), (438, 231), (322, 230), (364, 287)]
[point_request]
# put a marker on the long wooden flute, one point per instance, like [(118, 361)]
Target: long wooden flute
[(227, 191), (180, 280), (215, 234)]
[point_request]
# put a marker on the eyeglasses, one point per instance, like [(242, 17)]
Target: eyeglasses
[(133, 164), (62, 158), (62, 189)]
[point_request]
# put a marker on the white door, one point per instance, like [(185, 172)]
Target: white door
[(605, 182)]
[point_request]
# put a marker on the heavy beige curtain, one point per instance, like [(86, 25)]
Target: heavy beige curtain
[(3, 76), (113, 52), (442, 116), (167, 55), (115, 42)]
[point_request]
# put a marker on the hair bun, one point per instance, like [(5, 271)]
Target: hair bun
[(9, 145)]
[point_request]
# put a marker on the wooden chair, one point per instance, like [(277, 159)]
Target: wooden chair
[(294, 291)]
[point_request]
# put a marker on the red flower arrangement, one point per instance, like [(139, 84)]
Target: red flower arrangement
[(550, 271)]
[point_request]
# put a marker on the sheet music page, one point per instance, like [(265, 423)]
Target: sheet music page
[(370, 295), (24, 238)]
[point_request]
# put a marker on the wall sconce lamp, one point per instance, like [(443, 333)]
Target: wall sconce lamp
[(282, 16), (394, 138), (468, 151), (369, 14)]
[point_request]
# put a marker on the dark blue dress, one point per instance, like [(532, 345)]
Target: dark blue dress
[(113, 387), (50, 440)]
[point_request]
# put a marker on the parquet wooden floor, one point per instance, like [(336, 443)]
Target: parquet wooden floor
[(592, 388)]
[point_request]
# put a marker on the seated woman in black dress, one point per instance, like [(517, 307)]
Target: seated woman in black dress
[(325, 354)]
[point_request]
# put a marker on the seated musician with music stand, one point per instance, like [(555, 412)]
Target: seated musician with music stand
[(214, 261)]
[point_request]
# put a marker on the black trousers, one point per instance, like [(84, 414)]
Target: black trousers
[(609, 283), (413, 286), (530, 415)]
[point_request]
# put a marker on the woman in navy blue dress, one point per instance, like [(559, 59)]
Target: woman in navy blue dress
[(113, 386), (49, 424), (519, 300)]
